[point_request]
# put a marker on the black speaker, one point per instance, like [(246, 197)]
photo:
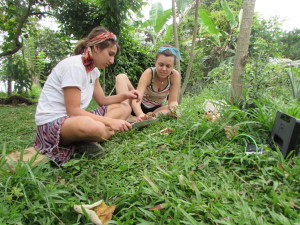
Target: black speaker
[(286, 133)]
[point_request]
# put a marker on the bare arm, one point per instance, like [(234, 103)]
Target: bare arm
[(144, 81), (173, 95), (101, 99), (72, 97)]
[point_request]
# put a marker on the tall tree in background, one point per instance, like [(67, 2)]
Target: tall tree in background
[(191, 54), (242, 51), (175, 35), (17, 22), (180, 9)]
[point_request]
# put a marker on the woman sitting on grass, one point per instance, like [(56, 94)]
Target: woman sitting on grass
[(157, 85), (63, 124)]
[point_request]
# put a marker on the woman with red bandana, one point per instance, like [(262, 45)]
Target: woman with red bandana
[(157, 85), (63, 124)]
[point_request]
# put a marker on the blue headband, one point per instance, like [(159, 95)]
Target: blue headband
[(174, 51)]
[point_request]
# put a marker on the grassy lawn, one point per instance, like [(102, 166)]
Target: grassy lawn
[(193, 175), (17, 127)]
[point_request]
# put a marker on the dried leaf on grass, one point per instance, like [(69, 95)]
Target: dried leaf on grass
[(166, 131), (280, 166), (99, 212), (231, 131), (160, 206), (294, 205), (104, 212)]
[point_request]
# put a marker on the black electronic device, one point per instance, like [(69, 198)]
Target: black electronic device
[(286, 133)]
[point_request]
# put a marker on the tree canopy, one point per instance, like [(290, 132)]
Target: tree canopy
[(15, 22), (78, 17)]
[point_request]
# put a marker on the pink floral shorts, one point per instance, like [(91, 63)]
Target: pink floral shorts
[(47, 139)]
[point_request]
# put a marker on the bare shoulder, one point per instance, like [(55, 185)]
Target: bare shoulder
[(175, 75), (146, 78), (148, 72)]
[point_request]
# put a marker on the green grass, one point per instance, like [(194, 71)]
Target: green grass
[(195, 173), (17, 127)]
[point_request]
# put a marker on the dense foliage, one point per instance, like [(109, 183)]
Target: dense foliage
[(291, 42), (133, 60), (215, 44), (79, 17), (54, 45), (15, 69)]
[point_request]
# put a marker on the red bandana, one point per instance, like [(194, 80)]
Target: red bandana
[(87, 58)]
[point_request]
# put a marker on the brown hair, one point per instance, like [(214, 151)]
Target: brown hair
[(81, 45), (166, 53)]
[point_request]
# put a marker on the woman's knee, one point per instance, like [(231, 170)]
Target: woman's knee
[(83, 128), (123, 83), (122, 77), (125, 108), (94, 129), (89, 129)]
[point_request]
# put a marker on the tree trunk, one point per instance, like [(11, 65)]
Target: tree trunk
[(9, 76), (189, 68), (242, 51), (9, 85), (175, 34)]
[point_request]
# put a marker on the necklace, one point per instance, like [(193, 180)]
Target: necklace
[(90, 76), (161, 82)]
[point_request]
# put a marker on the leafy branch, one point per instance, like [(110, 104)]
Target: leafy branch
[(17, 14)]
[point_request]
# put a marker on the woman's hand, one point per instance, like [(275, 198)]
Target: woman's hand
[(134, 94), (141, 117), (174, 111), (119, 125), (148, 116)]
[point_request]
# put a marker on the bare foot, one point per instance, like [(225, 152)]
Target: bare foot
[(132, 119)]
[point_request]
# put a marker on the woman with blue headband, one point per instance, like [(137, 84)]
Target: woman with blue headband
[(157, 85)]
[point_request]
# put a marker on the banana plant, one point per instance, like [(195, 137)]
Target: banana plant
[(156, 26), (209, 28)]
